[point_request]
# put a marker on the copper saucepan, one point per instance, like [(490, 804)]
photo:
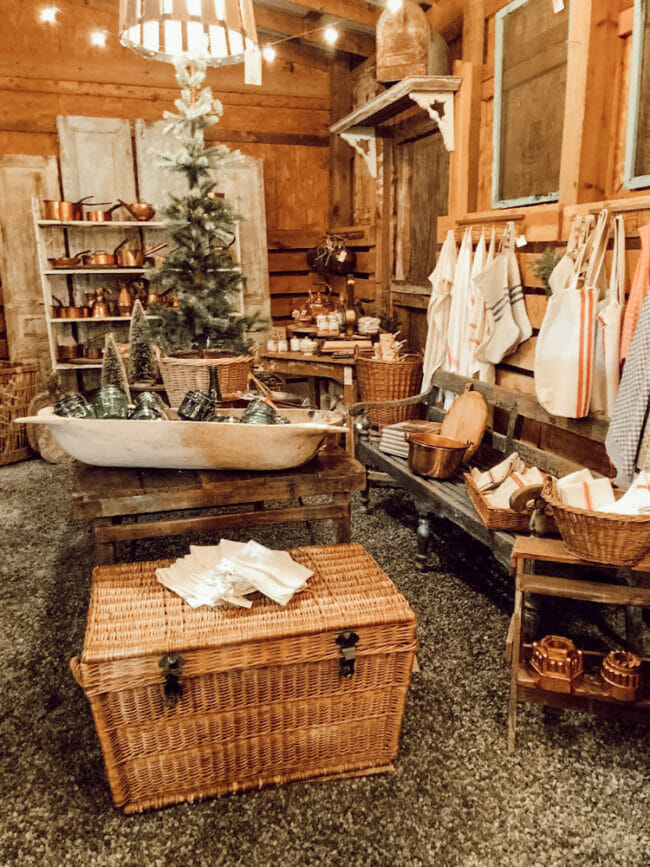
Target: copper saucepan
[(68, 261), (142, 211), (102, 259), (102, 216), (55, 209), (136, 258)]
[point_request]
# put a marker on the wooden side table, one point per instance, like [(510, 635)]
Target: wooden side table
[(589, 694), (315, 367), (110, 497)]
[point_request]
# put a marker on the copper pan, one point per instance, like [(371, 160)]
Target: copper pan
[(136, 258), (56, 209), (67, 261), (102, 259), (102, 216)]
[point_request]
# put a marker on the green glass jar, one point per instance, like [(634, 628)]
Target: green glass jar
[(110, 402), (259, 411), (196, 406), (148, 406), (73, 406)]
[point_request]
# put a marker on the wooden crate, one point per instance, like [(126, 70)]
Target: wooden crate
[(264, 700)]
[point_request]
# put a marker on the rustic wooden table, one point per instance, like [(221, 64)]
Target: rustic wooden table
[(315, 367), (589, 694), (114, 499)]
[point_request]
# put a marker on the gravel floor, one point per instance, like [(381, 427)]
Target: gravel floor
[(577, 791)]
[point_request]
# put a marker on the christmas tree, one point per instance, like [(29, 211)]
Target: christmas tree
[(113, 372), (142, 364), (199, 271)]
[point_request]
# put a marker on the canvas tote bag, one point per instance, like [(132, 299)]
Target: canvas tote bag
[(606, 374), (565, 346), (561, 275), (441, 280)]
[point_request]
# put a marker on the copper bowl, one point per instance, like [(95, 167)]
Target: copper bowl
[(435, 456), (142, 211)]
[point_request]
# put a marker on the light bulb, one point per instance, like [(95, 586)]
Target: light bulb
[(269, 52), (98, 38), (48, 14), (394, 5), (331, 35)]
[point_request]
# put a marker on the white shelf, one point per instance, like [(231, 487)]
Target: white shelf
[(115, 270), (108, 224), (91, 320), (82, 366)]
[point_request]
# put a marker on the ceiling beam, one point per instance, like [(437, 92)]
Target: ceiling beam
[(349, 10), (310, 29)]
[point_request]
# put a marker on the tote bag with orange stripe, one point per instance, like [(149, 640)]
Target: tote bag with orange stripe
[(565, 346)]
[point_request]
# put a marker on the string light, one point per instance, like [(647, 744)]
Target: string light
[(269, 53), (394, 5), (48, 14), (331, 35), (98, 38)]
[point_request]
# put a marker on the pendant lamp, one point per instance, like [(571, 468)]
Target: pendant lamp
[(222, 30)]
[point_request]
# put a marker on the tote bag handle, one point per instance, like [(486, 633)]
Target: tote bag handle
[(617, 274)]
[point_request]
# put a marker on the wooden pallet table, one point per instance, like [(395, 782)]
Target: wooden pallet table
[(590, 694), (128, 504), (315, 368)]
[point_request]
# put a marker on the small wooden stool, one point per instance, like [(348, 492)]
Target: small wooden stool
[(107, 496), (589, 694)]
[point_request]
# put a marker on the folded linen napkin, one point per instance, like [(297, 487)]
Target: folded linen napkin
[(500, 499), (226, 573), (635, 501), (495, 475), (578, 477), (595, 495)]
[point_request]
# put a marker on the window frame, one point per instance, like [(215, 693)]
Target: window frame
[(632, 181)]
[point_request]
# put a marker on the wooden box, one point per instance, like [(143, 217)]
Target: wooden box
[(266, 697)]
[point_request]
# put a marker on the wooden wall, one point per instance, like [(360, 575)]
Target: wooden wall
[(47, 70)]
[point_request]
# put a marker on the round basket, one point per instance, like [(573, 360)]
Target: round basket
[(180, 375), (380, 381), (599, 537)]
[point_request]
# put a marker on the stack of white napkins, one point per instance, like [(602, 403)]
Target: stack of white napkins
[(500, 499), (582, 490), (226, 573), (499, 473)]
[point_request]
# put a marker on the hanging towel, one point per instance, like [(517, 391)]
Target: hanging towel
[(626, 426), (637, 292), (477, 316), (459, 353), (441, 280)]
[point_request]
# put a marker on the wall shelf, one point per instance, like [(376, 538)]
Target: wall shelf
[(433, 93), (107, 224), (61, 272), (92, 320)]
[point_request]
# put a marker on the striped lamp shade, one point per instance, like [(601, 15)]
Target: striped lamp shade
[(164, 29)]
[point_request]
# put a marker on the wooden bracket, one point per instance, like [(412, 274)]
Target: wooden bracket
[(362, 139), (440, 108)]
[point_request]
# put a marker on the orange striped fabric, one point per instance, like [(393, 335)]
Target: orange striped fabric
[(637, 293)]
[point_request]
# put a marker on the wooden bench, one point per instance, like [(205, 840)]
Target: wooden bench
[(517, 420)]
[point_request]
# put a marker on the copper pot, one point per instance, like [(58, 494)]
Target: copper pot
[(102, 216), (435, 456), (142, 211), (56, 209), (136, 258), (69, 353), (102, 259), (67, 261)]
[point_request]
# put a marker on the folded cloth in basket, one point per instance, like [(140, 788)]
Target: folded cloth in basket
[(635, 501), (228, 572), (500, 499), (582, 491), (499, 473)]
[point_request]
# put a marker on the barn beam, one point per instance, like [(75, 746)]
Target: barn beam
[(311, 29)]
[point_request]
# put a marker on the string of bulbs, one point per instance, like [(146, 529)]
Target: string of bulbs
[(48, 15)]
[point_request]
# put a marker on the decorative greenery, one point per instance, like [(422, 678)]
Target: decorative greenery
[(142, 364), (544, 266), (113, 372), (199, 270)]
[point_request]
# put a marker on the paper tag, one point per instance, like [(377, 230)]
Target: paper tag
[(253, 66), (347, 376), (521, 241), (558, 6)]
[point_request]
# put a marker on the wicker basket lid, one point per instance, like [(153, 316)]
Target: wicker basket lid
[(131, 615), (466, 421)]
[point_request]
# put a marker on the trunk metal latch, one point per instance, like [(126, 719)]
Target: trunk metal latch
[(347, 642)]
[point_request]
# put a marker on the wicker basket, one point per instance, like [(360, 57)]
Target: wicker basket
[(599, 537), (18, 386), (180, 375), (263, 697), (381, 381), (493, 518)]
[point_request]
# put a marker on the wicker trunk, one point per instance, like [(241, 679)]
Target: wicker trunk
[(265, 699)]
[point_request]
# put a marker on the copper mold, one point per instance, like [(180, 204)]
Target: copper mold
[(557, 663)]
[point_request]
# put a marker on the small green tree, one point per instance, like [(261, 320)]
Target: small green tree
[(199, 271), (142, 364), (113, 372)]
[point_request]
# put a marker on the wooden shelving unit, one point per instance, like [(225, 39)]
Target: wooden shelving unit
[(590, 694)]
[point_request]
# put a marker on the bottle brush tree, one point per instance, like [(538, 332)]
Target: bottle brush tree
[(113, 372), (142, 363), (199, 271)]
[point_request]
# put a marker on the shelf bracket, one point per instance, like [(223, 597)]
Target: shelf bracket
[(440, 107), (362, 139)]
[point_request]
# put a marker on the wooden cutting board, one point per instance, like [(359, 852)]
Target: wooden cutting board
[(466, 421)]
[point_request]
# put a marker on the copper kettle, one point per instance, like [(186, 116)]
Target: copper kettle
[(100, 308)]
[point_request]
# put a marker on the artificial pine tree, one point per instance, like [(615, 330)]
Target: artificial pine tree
[(199, 270), (142, 364), (113, 372)]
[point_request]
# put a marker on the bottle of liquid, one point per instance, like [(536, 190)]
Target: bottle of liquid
[(215, 389)]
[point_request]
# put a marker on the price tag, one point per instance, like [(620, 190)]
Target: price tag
[(558, 6), (521, 241), (253, 66), (347, 376)]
